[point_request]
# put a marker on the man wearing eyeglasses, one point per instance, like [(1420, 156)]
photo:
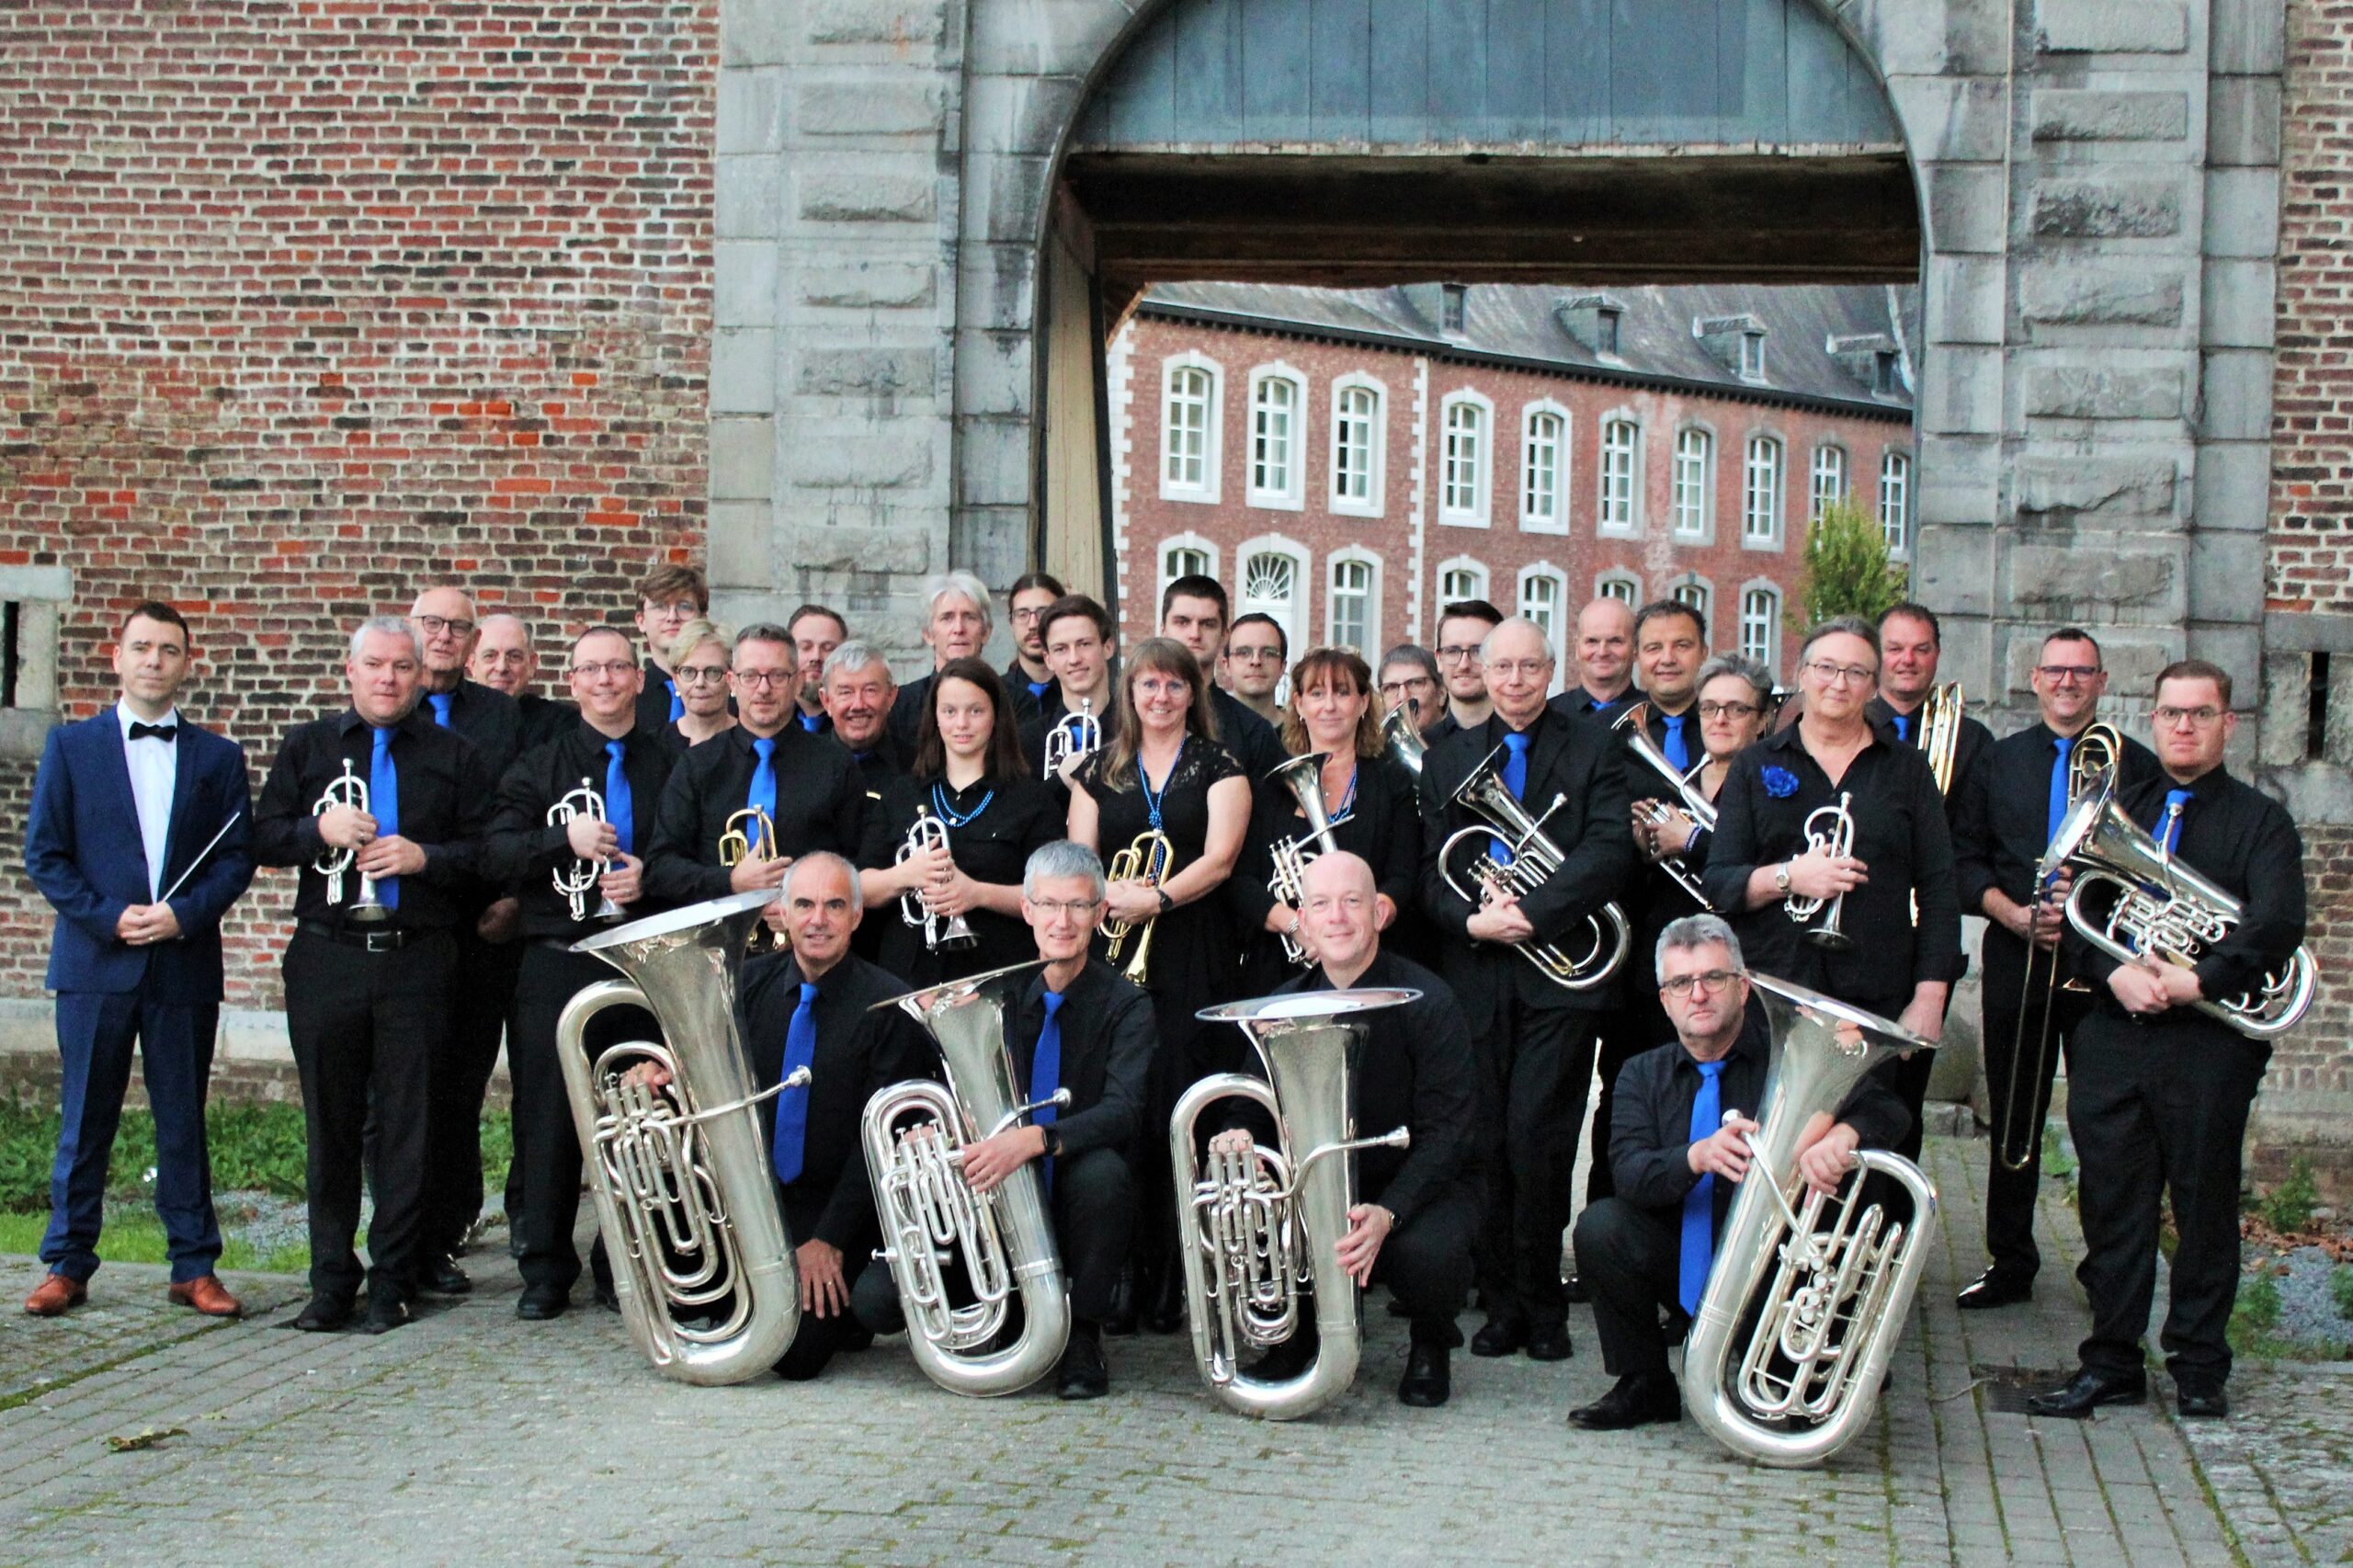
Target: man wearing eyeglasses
[(504, 659), (1256, 653), (1678, 1146), (1409, 679), (1605, 661), (1463, 629), (2158, 1089), (2007, 813), (1036, 694)]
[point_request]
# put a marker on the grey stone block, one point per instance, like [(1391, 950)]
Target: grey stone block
[(758, 34), (869, 108), (747, 200), (2096, 571), (2068, 114), (859, 455), (1960, 391), (2242, 121), (1929, 38), (2248, 38), (2242, 213), (741, 450), (2065, 293), (743, 370), (2240, 298), (1965, 302), (742, 534), (2106, 208), (2112, 26), (873, 547), (2233, 490), (1961, 480), (1952, 119), (994, 373), (2238, 649), (1968, 207), (2075, 392), (2235, 395), (1018, 114), (903, 24), (1041, 38), (2226, 577), (995, 461), (866, 372), (2058, 490), (868, 285), (750, 116), (743, 283), (857, 192), (1952, 568)]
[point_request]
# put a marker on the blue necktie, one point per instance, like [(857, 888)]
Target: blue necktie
[(1516, 781), (1038, 689), (384, 805), (1699, 1203), (1678, 752), (2177, 806), (2060, 773), (812, 722), (620, 810), (793, 1106), (1903, 728), (678, 703), (1046, 1073), (440, 701), (762, 794)]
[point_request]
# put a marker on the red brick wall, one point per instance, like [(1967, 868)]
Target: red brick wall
[(2312, 425), (304, 307)]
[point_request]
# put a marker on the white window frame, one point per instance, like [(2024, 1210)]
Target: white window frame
[(1545, 571), (1771, 654), (1292, 495), (1632, 526), (1701, 528), (1554, 520), (1207, 492), (1482, 476), (1776, 495), (1621, 585), (1692, 583), (1895, 483), (1175, 542), (1303, 590), (1353, 556), (1470, 564), (1375, 499), (1829, 462)]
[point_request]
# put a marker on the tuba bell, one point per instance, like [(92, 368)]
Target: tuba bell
[(1303, 776), (686, 1195), (347, 790), (1404, 741), (1256, 1228), (1004, 1238), (1636, 723), (1783, 1362), (1529, 859)]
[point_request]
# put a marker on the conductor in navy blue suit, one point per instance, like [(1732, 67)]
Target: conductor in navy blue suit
[(126, 839)]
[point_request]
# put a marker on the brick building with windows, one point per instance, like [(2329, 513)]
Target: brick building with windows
[(1348, 462)]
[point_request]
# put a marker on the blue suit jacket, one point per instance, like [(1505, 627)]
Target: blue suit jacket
[(83, 850)]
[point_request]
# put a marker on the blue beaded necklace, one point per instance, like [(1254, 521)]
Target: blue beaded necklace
[(1152, 798), (939, 805)]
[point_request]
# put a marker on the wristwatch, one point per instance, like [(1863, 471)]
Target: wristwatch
[(1781, 877), (1166, 903), (1053, 1141)]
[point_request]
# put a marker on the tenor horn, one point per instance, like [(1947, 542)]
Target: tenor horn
[(1635, 725), (1258, 1230), (686, 1195), (1529, 859), (1072, 739), (1303, 776), (1831, 830), (1802, 1309), (347, 790), (916, 1135)]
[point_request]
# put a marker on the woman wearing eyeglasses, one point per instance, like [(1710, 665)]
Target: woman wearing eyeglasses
[(698, 661), (1735, 707)]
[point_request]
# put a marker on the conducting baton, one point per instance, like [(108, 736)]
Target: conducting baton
[(200, 854)]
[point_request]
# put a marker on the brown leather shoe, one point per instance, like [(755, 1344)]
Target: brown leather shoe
[(56, 1296), (208, 1296)]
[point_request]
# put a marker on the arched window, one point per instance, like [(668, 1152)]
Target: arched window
[(1544, 469), (1460, 579), (1620, 503), (1829, 478), (1352, 604), (1760, 511), (1465, 457), (1543, 599), (1895, 500), (1358, 440), (1700, 598), (1188, 429), (1624, 586), (1760, 624), (1272, 582), (1185, 555), (1278, 408), (1695, 482)]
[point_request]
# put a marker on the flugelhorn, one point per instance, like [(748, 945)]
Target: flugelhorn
[(750, 834), (1941, 732), (1403, 740), (1793, 1333), (916, 1135), (1258, 1230), (1831, 830), (941, 932), (685, 1195), (575, 880), (1636, 723), (348, 789), (1148, 859), (1303, 776), (1075, 738), (1531, 858)]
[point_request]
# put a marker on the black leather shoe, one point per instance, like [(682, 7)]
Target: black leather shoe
[(1167, 1314), (1121, 1321), (386, 1312), (1994, 1288), (539, 1303), (1633, 1401), (326, 1314), (607, 1297), (2201, 1404), (1549, 1342), (1426, 1384), (2086, 1391), (1082, 1374), (1500, 1336), (442, 1277), (1573, 1290), (1286, 1360)]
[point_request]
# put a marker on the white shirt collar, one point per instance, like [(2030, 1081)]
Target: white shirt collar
[(125, 718)]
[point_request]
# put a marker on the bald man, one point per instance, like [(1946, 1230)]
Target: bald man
[(1604, 660), (504, 659)]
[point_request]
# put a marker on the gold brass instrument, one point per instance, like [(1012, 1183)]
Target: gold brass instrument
[(1783, 1362), (1830, 829), (350, 790), (1533, 858), (749, 835), (2149, 904), (941, 932), (916, 1135), (1257, 1229), (1404, 741), (1148, 860), (1940, 731), (2097, 751), (1303, 776), (1635, 723), (577, 879), (685, 1195), (1076, 737)]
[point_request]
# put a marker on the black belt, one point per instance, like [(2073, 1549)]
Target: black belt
[(379, 941)]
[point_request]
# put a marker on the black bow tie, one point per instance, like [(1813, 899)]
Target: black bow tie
[(164, 732)]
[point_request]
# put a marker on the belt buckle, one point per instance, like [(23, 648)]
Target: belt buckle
[(381, 941)]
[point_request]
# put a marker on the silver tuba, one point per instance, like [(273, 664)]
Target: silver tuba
[(686, 1195), (1303, 776), (1783, 1362), (1404, 741), (1073, 738), (1256, 1228), (1533, 858), (2132, 900), (575, 880), (941, 932), (916, 1133), (1636, 723), (348, 789)]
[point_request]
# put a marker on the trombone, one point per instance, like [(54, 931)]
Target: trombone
[(1148, 859), (1830, 829), (1941, 732), (576, 879)]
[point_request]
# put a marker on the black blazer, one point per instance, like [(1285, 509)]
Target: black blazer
[(1383, 827), (1108, 1040), (820, 804)]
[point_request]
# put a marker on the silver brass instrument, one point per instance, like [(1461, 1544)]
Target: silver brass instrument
[(1635, 723), (1303, 776), (1257, 1229), (1533, 858), (1783, 1362), (916, 1135), (2133, 901), (1940, 731), (1148, 859), (1404, 741), (1830, 829), (1076, 737), (685, 1195), (941, 932), (576, 879), (350, 790)]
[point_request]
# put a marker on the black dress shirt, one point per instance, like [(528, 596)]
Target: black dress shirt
[(1900, 837), (1578, 703), (544, 719), (523, 851), (488, 718), (1108, 1040), (993, 846), (1650, 1127), (878, 763), (1969, 746), (1659, 899), (859, 1050), (820, 804), (654, 698), (445, 801), (1045, 705), (2002, 817), (1255, 743), (906, 723), (1383, 828)]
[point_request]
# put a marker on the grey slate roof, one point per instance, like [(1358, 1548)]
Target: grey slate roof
[(1522, 325)]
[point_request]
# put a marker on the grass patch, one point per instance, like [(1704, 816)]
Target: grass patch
[(136, 1238), (2255, 1324)]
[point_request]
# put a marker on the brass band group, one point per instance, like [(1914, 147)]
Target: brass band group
[(1199, 985)]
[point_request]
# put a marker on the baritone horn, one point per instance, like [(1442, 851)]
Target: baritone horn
[(685, 1195), (941, 932), (348, 789), (1529, 859), (575, 880), (1802, 1308), (1303, 776), (916, 1135), (1635, 723), (1831, 830), (1258, 1229), (1148, 859)]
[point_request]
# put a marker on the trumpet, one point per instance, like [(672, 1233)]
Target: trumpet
[(1404, 741), (1076, 737), (1148, 859), (1303, 776), (576, 879), (1941, 732), (348, 789), (1830, 829), (940, 933), (749, 835), (1652, 814), (1529, 857)]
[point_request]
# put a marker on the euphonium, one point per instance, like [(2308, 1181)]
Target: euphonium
[(1076, 736), (685, 1195), (1635, 723), (1835, 835), (348, 789), (577, 879), (1256, 1228), (1783, 1362), (1940, 731), (941, 932), (1148, 859), (2153, 906), (1004, 1238), (1533, 858), (1405, 742), (749, 835), (1303, 776)]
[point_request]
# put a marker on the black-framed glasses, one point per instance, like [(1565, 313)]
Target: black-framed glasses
[(1455, 653), (1712, 979), (2059, 674), (1728, 709), (435, 625)]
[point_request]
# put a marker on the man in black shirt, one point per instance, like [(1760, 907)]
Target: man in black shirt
[(2158, 1089), (368, 987), (504, 659), (1036, 694), (1910, 641), (2006, 814), (1605, 661), (1195, 611), (670, 596), (957, 619), (815, 631), (858, 694), (1463, 629), (1679, 1161), (1080, 643)]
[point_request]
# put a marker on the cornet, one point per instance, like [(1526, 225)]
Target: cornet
[(941, 933), (749, 835), (1149, 860), (576, 879), (1303, 776), (350, 790), (1533, 859), (1635, 723), (1077, 736), (1831, 830)]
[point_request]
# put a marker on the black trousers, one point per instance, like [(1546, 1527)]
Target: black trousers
[(2158, 1110), (1426, 1264), (818, 1340), (1625, 1033), (2010, 1193), (366, 1032), (547, 1143), (481, 995), (1630, 1260), (1534, 1064)]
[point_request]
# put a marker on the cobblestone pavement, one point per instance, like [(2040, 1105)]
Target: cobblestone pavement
[(472, 1437)]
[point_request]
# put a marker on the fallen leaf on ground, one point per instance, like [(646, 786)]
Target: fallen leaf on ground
[(146, 1439)]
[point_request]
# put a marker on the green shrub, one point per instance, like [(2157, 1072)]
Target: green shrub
[(2288, 1208), (1846, 570), (2340, 1289)]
